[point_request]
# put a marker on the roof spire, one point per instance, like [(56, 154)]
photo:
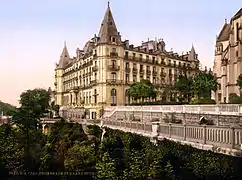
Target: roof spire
[(64, 58), (192, 54), (108, 3), (108, 32), (225, 20)]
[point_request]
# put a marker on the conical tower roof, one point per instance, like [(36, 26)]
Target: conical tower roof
[(192, 54), (64, 58), (108, 32)]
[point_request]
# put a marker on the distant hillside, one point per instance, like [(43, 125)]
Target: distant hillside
[(6, 108)]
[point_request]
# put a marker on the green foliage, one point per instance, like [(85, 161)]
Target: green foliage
[(35, 101), (143, 89), (235, 99), (12, 153), (196, 101), (184, 87), (203, 84), (34, 105), (106, 168), (7, 109), (119, 156), (79, 157), (239, 81)]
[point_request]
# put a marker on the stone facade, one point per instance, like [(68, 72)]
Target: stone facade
[(228, 58), (101, 73)]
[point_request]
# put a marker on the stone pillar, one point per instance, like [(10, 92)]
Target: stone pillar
[(101, 123), (103, 132), (155, 132), (43, 128)]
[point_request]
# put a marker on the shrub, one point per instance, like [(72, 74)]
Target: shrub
[(235, 99), (203, 101)]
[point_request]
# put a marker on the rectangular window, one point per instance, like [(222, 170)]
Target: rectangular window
[(127, 65), (113, 76), (134, 78), (127, 78), (219, 97)]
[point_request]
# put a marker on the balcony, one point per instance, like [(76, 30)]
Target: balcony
[(113, 67), (135, 70), (95, 68), (126, 57), (113, 54), (128, 82), (113, 81), (154, 72), (74, 88), (93, 82), (127, 69), (148, 71), (94, 55), (141, 71), (163, 74)]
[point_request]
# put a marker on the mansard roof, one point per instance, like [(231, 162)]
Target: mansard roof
[(225, 32)]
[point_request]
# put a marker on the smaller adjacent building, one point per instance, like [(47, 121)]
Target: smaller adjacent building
[(5, 119)]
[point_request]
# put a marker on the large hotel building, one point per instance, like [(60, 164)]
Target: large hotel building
[(101, 73), (228, 58)]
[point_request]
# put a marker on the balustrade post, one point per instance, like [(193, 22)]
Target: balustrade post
[(184, 118), (204, 134), (155, 132), (232, 134), (185, 132), (101, 123), (169, 130)]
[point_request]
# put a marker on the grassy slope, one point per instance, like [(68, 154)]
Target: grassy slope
[(6, 108)]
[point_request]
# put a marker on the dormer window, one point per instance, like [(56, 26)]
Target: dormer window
[(113, 39), (111, 23)]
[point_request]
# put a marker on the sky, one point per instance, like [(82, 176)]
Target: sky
[(32, 33)]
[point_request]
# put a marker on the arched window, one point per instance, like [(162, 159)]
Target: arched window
[(127, 97), (113, 97)]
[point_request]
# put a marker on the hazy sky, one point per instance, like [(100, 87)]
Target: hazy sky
[(32, 33)]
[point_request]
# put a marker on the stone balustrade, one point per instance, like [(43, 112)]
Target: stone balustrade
[(219, 139), (222, 109)]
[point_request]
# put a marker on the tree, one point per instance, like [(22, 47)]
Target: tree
[(80, 157), (143, 89), (184, 86), (34, 105), (106, 168), (239, 82), (203, 84), (7, 109), (12, 153)]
